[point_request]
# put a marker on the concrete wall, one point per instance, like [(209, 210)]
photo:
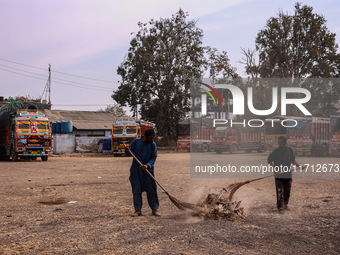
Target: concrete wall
[(68, 143), (64, 143), (87, 143)]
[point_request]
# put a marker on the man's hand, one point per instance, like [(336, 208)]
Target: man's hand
[(144, 167)]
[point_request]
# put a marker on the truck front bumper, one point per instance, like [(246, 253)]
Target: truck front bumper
[(33, 151)]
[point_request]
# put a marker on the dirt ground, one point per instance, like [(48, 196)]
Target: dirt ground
[(37, 218)]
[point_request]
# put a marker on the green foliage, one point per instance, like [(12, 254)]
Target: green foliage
[(297, 46), (164, 57), (218, 65)]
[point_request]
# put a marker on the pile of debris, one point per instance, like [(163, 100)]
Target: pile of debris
[(219, 207)]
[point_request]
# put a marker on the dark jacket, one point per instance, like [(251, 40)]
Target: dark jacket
[(282, 156)]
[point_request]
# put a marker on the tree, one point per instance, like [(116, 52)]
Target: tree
[(115, 109), (297, 46), (218, 65), (164, 56), (250, 62)]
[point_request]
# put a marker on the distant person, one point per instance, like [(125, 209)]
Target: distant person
[(145, 150), (282, 158)]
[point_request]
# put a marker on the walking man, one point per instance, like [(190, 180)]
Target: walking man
[(145, 150), (281, 158)]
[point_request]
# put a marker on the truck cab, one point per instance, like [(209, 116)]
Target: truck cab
[(225, 139), (31, 135), (124, 131), (242, 138)]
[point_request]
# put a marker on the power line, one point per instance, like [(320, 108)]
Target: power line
[(21, 64), (21, 70), (84, 84), (62, 83), (22, 74), (81, 104), (82, 77)]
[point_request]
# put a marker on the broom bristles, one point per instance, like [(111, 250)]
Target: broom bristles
[(234, 187), (183, 205)]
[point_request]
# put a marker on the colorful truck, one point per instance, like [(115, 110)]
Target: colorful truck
[(195, 135), (334, 146), (125, 130), (25, 131), (232, 139), (183, 135), (310, 136)]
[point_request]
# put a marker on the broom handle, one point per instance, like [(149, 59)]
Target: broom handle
[(253, 180), (273, 175), (133, 155)]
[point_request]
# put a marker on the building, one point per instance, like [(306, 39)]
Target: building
[(88, 128)]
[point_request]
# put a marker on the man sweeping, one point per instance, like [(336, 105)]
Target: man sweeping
[(145, 150), (281, 158)]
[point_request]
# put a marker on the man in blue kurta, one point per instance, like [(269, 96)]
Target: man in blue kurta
[(145, 150)]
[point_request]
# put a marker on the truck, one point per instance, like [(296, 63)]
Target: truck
[(334, 146), (310, 136), (183, 135), (25, 131), (195, 135), (125, 130), (232, 139)]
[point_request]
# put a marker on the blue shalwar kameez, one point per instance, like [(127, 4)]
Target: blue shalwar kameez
[(139, 178)]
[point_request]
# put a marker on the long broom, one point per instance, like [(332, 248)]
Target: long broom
[(178, 203), (235, 186), (232, 188)]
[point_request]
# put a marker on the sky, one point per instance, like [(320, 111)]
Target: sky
[(85, 40)]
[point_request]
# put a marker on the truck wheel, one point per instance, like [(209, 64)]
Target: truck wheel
[(14, 156), (205, 147), (233, 149), (2, 153), (259, 150), (44, 158), (312, 152), (325, 151)]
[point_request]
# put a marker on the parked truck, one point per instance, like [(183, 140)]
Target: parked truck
[(183, 135), (25, 131), (232, 139), (335, 136), (125, 130), (195, 135), (310, 136)]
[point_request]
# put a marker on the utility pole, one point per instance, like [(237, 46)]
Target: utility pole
[(47, 89), (49, 83)]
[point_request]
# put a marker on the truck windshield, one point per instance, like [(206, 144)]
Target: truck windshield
[(24, 125), (42, 125), (118, 130), (131, 130), (219, 133)]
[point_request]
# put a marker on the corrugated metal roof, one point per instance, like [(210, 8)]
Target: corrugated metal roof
[(83, 120), (93, 125)]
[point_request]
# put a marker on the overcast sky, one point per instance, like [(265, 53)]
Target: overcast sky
[(88, 38)]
